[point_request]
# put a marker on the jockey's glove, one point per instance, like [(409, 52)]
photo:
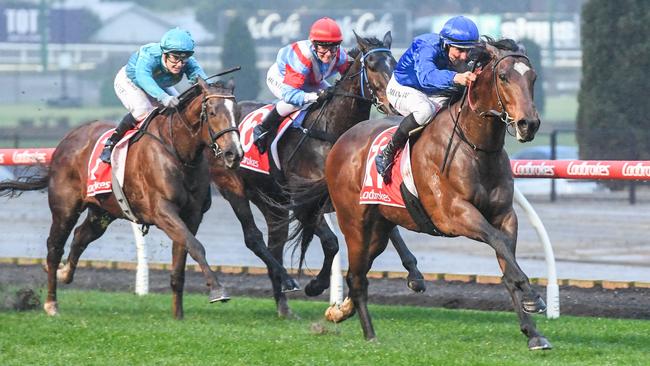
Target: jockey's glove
[(170, 101), (310, 97), (324, 94)]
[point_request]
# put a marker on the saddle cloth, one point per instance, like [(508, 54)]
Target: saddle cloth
[(374, 190), (99, 173), (253, 160)]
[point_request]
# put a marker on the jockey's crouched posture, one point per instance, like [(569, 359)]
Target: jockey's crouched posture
[(299, 73), (148, 80), (426, 69)]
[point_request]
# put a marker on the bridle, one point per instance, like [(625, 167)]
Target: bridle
[(215, 135), (503, 115), (365, 83), (203, 118)]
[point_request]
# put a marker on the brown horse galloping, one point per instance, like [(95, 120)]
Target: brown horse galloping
[(471, 197), (166, 182)]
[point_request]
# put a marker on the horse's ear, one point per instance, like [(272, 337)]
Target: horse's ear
[(202, 83), (231, 84), (388, 40), (363, 45)]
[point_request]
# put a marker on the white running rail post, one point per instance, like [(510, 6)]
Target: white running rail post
[(336, 279), (142, 272), (552, 288)]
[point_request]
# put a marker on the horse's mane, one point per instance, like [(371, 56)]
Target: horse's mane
[(481, 55)]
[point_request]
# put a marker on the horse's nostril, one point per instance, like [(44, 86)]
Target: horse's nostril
[(229, 155)]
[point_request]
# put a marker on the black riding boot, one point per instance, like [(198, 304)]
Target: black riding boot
[(384, 161), (260, 132), (127, 123)]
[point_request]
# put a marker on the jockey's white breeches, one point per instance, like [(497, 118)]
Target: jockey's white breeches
[(274, 80), (407, 100), (136, 100)]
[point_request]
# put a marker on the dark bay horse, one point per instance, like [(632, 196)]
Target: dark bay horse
[(471, 197), (166, 183), (303, 156)]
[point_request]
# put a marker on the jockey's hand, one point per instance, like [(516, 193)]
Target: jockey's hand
[(310, 97), (464, 78), (170, 101), (324, 94)]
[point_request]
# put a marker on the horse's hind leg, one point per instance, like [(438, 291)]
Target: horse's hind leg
[(330, 245), (64, 216), (92, 228), (414, 279)]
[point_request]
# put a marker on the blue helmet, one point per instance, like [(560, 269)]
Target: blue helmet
[(177, 40), (460, 32)]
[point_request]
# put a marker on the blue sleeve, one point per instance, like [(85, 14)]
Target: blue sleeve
[(144, 75), (293, 95), (428, 74), (194, 70)]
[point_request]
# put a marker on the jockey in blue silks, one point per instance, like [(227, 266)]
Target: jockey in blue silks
[(299, 73), (148, 80), (427, 68)]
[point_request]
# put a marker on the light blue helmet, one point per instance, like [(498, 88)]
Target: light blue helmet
[(460, 32), (177, 40)]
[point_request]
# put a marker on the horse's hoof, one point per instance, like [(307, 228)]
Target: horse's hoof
[(315, 288), (290, 285), (63, 275), (218, 295), (338, 313), (51, 308), (535, 306), (539, 343), (417, 285)]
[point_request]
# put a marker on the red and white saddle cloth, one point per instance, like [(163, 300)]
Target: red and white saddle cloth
[(374, 190), (253, 160), (99, 173)]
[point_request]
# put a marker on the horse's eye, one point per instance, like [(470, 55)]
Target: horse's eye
[(502, 76)]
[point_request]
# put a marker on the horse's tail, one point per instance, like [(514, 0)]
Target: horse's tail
[(310, 201), (13, 188)]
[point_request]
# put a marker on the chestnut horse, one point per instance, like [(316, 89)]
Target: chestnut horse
[(471, 196), (166, 183), (302, 154)]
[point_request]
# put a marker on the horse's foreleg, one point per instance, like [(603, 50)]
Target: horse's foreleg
[(169, 221), (278, 231), (64, 218), (177, 280), (414, 279), (330, 245), (92, 228), (536, 340)]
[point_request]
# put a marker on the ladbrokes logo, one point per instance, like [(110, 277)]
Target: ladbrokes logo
[(28, 157), (588, 169), (373, 195), (636, 170), (533, 170)]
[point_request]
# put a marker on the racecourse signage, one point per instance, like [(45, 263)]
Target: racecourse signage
[(278, 28)]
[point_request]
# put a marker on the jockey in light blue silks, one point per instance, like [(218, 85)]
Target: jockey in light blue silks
[(427, 68), (299, 73), (148, 80)]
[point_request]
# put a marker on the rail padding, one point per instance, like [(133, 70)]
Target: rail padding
[(582, 169), (262, 271)]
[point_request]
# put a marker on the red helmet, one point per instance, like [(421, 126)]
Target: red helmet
[(325, 30)]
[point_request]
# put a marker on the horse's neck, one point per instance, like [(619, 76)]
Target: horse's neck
[(346, 110), (485, 133), (182, 133)]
